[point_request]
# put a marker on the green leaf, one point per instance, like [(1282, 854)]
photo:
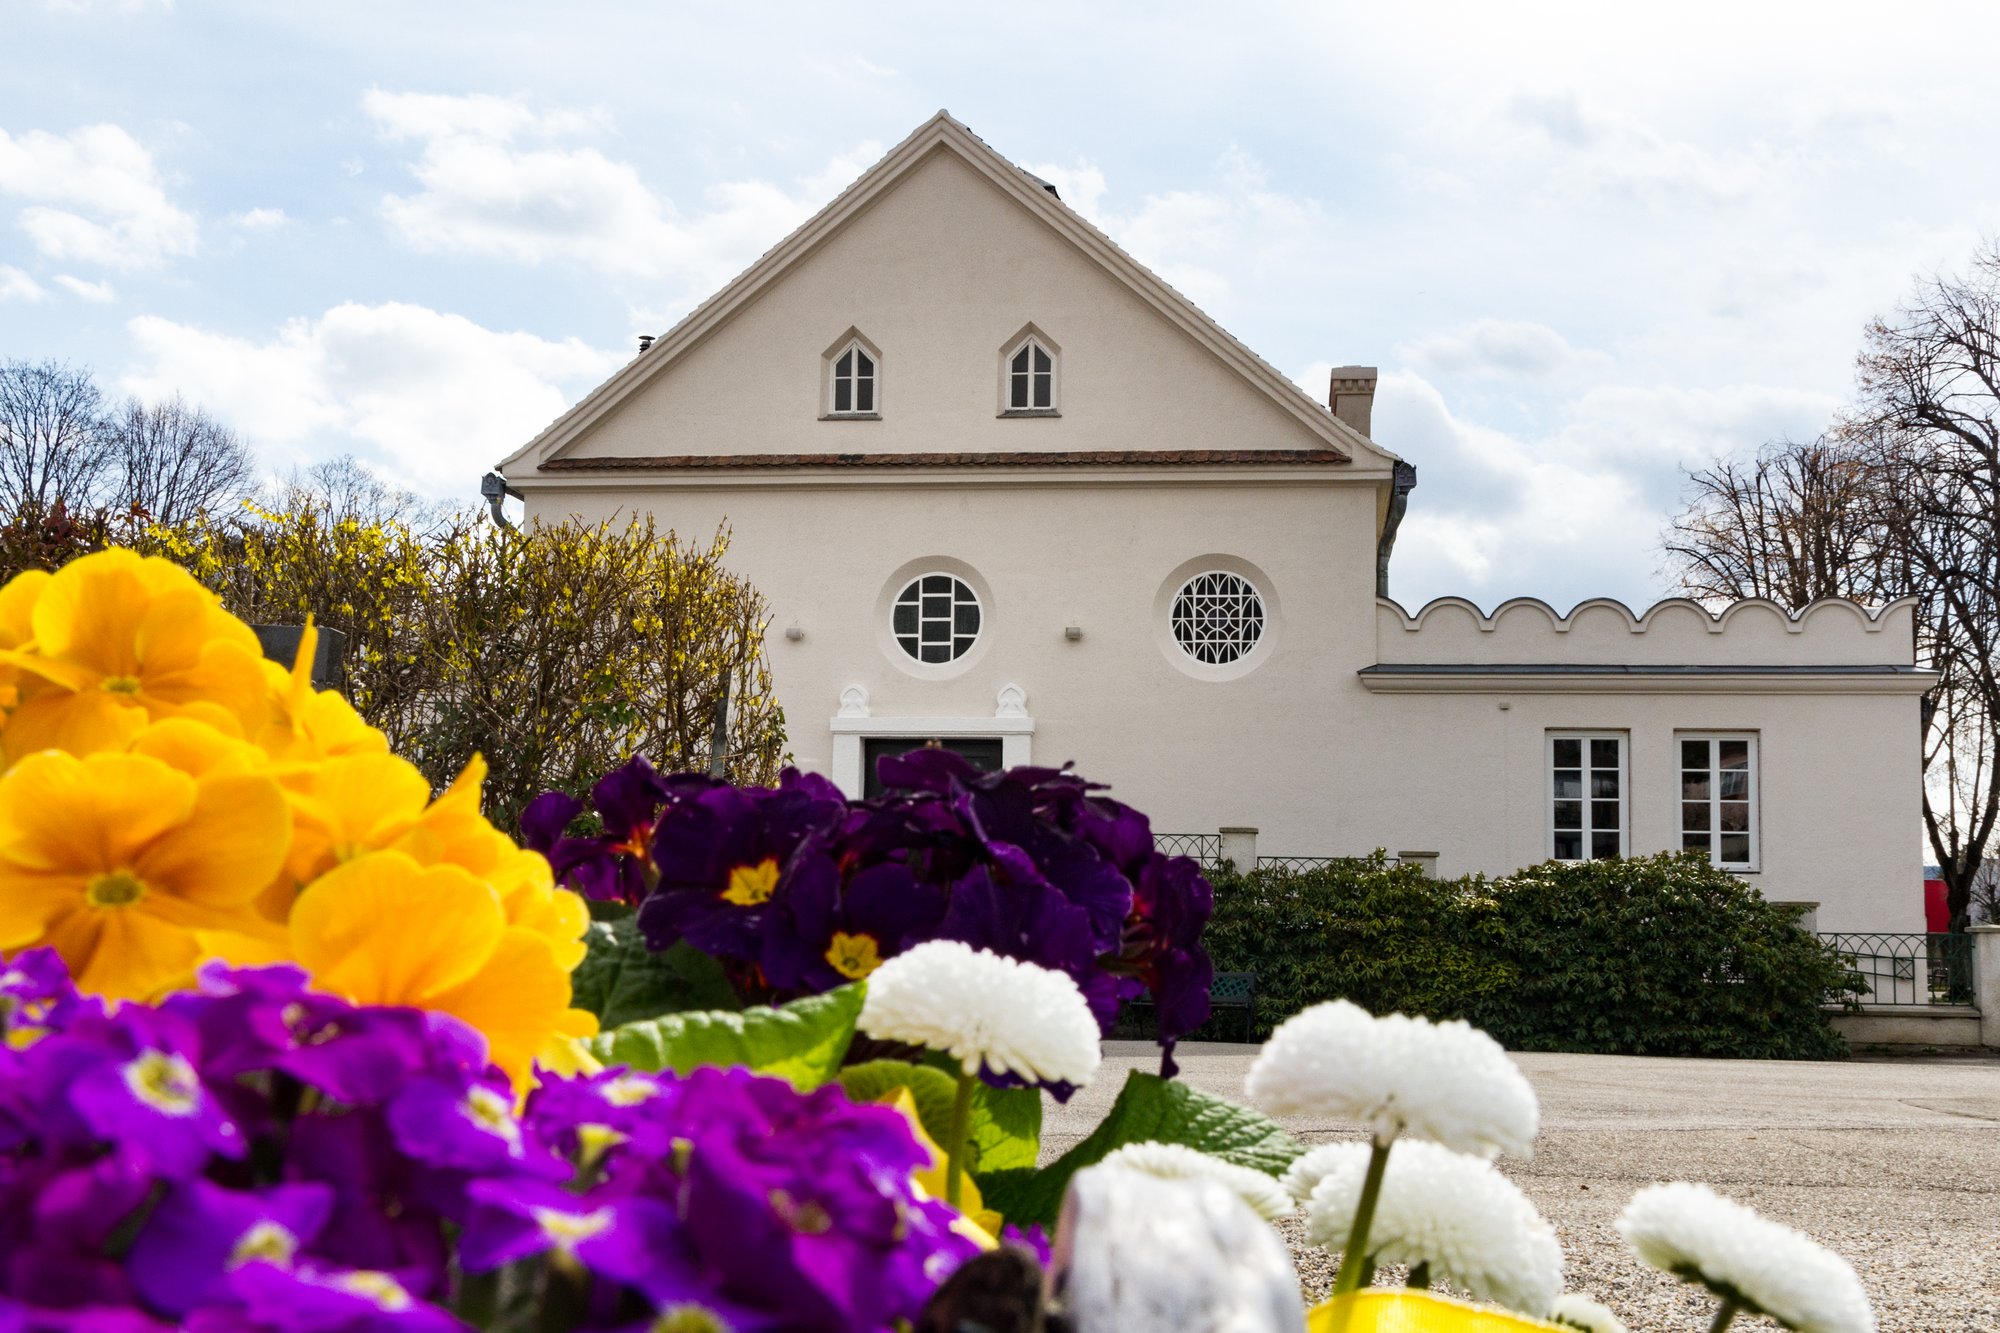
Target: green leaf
[(1148, 1108), (1006, 1128), (622, 981), (803, 1042), (931, 1090)]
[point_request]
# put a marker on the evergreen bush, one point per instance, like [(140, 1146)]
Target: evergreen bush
[(1660, 955)]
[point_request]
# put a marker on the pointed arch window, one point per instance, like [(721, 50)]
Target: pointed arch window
[(854, 380), (1029, 376)]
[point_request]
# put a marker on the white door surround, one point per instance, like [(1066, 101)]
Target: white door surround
[(854, 723)]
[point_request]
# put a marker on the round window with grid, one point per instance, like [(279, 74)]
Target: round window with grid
[(1218, 617), (936, 618)]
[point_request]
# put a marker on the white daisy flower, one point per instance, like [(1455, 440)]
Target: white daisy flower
[(1449, 1083), (1310, 1167), (1456, 1213), (1176, 1161), (983, 1010), (1134, 1251), (1747, 1260), (1581, 1312)]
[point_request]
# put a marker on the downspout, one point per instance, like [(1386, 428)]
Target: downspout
[(1402, 481), (493, 488)]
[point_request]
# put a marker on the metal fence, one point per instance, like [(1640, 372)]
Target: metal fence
[(1299, 863), (1910, 970), (1203, 847)]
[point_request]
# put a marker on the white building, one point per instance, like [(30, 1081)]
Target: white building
[(1006, 488)]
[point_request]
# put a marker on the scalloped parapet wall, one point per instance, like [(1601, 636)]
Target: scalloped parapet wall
[(1676, 632)]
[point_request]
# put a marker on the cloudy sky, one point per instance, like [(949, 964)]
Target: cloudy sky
[(1587, 244)]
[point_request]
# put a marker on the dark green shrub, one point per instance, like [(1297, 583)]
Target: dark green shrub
[(1378, 934), (1662, 955), (1659, 955)]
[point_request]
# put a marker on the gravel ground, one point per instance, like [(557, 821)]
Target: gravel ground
[(1893, 1164)]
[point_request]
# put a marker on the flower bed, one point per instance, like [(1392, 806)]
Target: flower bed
[(288, 1042)]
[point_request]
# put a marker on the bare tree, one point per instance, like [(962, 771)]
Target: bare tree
[(1794, 524), (172, 461), (345, 488), (1901, 497), (1929, 420), (52, 440)]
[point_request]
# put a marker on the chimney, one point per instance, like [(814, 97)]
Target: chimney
[(1352, 395), (645, 342)]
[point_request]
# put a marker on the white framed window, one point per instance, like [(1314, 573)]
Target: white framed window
[(854, 380), (1030, 375), (1587, 795), (1217, 617), (1718, 797), (1031, 378), (936, 618)]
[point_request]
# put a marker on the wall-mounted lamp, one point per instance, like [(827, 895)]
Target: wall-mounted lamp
[(794, 633), (1072, 632)]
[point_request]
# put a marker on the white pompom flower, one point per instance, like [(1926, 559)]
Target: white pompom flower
[(1747, 1260), (1177, 1161), (1448, 1083), (1454, 1212), (1311, 1166), (1581, 1312), (993, 1015)]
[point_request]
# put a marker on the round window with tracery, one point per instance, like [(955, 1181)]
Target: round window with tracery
[(936, 618), (1218, 617)]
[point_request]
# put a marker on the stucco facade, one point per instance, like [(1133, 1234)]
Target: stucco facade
[(1171, 451)]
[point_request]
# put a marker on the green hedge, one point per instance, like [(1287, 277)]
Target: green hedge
[(1661, 955)]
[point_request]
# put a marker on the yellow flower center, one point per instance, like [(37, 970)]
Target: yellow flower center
[(164, 1082), (490, 1111), (120, 888), (569, 1230), (266, 1241), (627, 1092), (688, 1319), (120, 684), (853, 956), (751, 885), (384, 1291), (805, 1219)]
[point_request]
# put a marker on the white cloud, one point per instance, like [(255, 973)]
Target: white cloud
[(1196, 238), (94, 196), (1501, 347), (102, 6), (88, 291), (18, 286), (500, 179), (430, 399), (260, 219)]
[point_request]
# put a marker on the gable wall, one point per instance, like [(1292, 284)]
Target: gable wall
[(940, 273)]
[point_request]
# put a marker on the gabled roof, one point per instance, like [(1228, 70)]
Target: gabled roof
[(942, 132)]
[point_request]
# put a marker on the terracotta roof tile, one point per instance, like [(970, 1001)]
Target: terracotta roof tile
[(1022, 458)]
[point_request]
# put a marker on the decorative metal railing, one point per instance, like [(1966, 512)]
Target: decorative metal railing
[(1298, 863), (1911, 970), (1203, 847)]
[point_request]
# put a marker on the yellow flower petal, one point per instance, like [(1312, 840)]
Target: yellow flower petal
[(94, 814), (231, 844), (518, 1000), (381, 929)]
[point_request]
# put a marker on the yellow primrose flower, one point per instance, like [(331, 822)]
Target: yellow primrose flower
[(382, 929), (17, 610), (976, 1222), (119, 639), (307, 725), (118, 860)]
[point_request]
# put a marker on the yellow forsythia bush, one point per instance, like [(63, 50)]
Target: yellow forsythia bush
[(170, 797), (557, 651)]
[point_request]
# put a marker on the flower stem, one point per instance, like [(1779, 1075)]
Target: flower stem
[(1354, 1257), (954, 1148), (1723, 1316), (1420, 1276)]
